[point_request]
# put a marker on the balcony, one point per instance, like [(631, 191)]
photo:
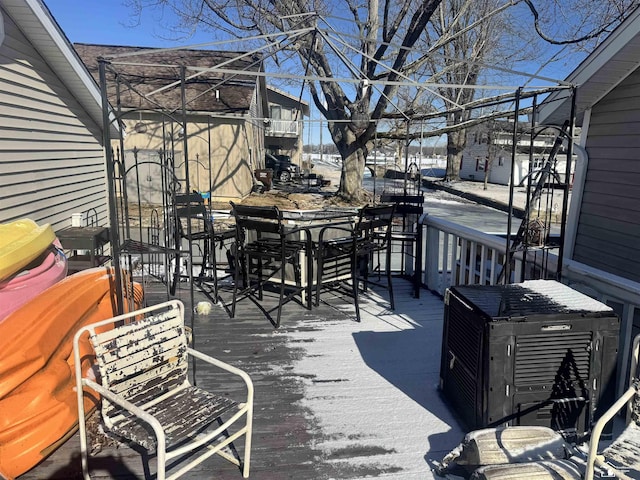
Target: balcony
[(283, 128), (334, 398)]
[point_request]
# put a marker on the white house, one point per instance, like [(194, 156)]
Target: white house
[(489, 152)]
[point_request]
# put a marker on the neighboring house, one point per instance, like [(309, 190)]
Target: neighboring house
[(51, 133), (489, 152), (284, 132), (603, 230), (224, 117)]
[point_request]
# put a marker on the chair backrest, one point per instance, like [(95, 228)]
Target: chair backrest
[(258, 219), (405, 204), (191, 206), (142, 358), (374, 222)]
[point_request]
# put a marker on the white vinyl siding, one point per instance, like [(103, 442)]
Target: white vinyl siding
[(609, 226), (51, 158)]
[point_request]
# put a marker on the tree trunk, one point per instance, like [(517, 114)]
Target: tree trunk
[(456, 142), (353, 151), (352, 173)]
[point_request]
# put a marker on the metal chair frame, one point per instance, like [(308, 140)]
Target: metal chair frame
[(264, 248), (200, 232), (142, 359), (407, 232), (350, 254)]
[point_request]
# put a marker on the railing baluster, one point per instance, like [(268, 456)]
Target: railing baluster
[(445, 264), (432, 258), (454, 259), (473, 272), (464, 269)]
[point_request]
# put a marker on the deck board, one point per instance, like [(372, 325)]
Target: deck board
[(333, 398)]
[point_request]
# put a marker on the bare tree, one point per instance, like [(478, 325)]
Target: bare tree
[(465, 37), (373, 46), (355, 64)]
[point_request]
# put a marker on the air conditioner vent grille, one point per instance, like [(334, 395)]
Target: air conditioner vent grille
[(561, 360)]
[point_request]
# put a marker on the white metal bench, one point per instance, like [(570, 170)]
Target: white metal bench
[(142, 361)]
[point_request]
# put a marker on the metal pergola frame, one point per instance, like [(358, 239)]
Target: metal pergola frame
[(179, 117)]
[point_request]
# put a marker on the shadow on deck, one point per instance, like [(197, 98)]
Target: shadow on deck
[(334, 398)]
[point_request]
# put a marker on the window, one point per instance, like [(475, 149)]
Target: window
[(500, 161), (276, 112)]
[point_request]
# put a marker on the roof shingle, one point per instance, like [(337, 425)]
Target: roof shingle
[(142, 74)]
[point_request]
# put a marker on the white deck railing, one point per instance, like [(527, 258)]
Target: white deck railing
[(459, 255)]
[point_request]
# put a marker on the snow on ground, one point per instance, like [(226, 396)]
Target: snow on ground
[(371, 387)]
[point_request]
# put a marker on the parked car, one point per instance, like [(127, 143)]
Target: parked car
[(283, 169)]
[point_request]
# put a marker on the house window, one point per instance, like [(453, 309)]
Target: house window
[(276, 112), (479, 164), (500, 161)]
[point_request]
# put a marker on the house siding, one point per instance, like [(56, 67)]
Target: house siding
[(229, 154), (51, 158), (609, 224)]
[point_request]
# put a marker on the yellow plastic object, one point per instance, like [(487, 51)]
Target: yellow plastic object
[(21, 242), (38, 404)]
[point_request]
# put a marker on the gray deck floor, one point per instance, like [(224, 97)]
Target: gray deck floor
[(335, 399)]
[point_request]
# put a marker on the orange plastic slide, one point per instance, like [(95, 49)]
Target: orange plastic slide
[(38, 405)]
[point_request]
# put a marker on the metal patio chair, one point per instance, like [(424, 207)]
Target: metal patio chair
[(147, 399), (190, 211), (511, 453), (265, 246), (406, 233), (347, 253)]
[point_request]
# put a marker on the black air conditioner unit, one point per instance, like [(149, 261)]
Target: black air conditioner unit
[(534, 353)]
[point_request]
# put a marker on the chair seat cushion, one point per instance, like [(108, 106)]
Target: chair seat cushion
[(625, 450), (493, 446), (543, 470), (182, 415)]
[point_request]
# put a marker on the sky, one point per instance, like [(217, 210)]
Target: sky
[(110, 22)]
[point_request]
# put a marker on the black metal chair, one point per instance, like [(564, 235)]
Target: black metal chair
[(347, 253), (406, 234), (194, 224), (265, 246)]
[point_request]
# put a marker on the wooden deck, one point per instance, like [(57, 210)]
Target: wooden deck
[(335, 399)]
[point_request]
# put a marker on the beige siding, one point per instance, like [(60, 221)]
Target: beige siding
[(609, 225), (220, 154), (51, 159)]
